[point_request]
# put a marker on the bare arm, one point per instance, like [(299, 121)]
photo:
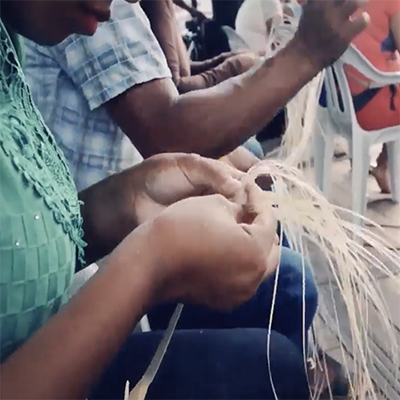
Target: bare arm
[(210, 122), (191, 10), (113, 208), (233, 66), (209, 73), (197, 67), (68, 354), (213, 122), (165, 28), (108, 218)]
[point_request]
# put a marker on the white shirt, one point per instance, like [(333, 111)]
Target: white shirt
[(268, 25)]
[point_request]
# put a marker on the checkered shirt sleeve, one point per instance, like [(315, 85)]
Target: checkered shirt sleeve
[(121, 54)]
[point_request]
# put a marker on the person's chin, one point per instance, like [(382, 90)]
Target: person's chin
[(46, 37), (51, 41)]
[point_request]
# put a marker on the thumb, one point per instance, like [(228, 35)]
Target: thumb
[(261, 226), (358, 24)]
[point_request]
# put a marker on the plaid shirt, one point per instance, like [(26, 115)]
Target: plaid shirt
[(71, 81)]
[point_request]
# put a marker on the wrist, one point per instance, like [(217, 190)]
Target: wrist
[(295, 63), (108, 214), (306, 59), (136, 261), (152, 258)]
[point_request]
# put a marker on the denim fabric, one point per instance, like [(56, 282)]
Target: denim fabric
[(288, 310), (210, 365)]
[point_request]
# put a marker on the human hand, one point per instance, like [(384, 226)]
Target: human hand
[(207, 250), (327, 28), (165, 179), (116, 206), (242, 62)]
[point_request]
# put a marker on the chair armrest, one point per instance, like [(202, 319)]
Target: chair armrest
[(356, 59)]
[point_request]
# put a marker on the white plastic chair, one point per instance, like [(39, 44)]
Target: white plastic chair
[(340, 117)]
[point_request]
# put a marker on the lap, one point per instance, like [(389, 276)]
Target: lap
[(256, 312), (210, 364)]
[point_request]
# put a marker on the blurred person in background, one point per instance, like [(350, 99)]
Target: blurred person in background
[(194, 75), (268, 25), (146, 231), (378, 108), (106, 95)]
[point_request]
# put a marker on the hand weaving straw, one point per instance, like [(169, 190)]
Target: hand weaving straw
[(307, 217)]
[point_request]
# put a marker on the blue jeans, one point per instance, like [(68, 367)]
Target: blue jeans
[(255, 313), (210, 365), (223, 356)]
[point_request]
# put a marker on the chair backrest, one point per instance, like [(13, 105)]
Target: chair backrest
[(361, 63), (339, 98)]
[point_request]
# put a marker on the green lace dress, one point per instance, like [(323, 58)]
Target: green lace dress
[(40, 222)]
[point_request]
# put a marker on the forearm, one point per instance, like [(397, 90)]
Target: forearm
[(207, 79), (108, 214), (66, 357), (215, 121), (182, 4), (197, 67), (165, 28)]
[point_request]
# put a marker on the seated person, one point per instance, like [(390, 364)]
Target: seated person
[(105, 94), (378, 108), (52, 348), (98, 144), (268, 25), (92, 149), (108, 110), (188, 75)]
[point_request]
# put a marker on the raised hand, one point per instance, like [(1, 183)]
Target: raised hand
[(327, 28), (242, 62)]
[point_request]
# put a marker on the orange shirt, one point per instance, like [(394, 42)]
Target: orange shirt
[(376, 42), (378, 45)]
